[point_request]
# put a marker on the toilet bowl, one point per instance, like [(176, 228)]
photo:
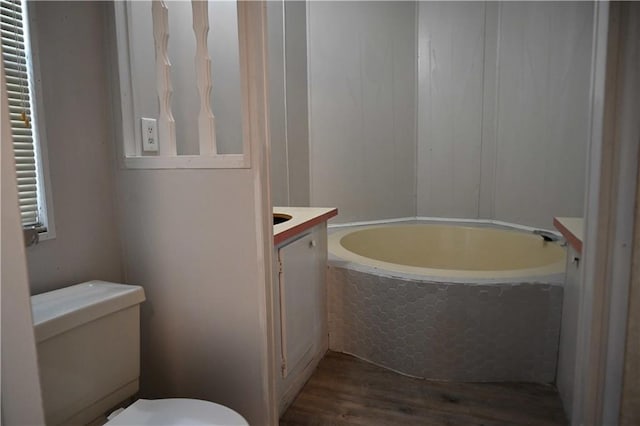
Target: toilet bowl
[(178, 412), (89, 335)]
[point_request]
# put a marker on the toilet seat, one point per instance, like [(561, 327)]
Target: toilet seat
[(177, 412)]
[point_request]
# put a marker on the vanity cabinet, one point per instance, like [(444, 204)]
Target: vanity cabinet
[(569, 330), (572, 230), (300, 304)]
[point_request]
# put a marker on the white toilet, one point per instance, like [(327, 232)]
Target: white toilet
[(88, 341)]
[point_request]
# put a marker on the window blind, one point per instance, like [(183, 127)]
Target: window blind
[(16, 67)]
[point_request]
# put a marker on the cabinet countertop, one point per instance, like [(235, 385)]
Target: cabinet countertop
[(572, 229), (302, 218)]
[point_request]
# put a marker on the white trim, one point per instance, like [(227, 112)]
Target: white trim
[(582, 375), (610, 209), (626, 172), (309, 115), (490, 222), (45, 195), (252, 23), (524, 227), (446, 219), (22, 404), (218, 161), (416, 104), (371, 222), (246, 84)]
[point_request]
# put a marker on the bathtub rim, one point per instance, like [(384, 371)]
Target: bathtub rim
[(341, 257)]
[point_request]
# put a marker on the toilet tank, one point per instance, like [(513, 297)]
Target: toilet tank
[(88, 343)]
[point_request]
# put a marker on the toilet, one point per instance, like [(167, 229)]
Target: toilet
[(88, 343)]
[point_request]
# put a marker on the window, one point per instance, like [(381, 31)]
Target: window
[(27, 143)]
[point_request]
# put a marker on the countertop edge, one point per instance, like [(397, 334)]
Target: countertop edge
[(571, 238), (301, 227)]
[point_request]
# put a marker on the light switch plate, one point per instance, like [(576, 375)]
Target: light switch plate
[(149, 135)]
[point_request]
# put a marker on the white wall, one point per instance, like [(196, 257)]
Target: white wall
[(542, 111), (277, 108), (190, 237), (362, 108), (501, 101), (195, 253), (503, 111), (288, 102), (70, 38), (450, 79), (199, 242), (295, 18)]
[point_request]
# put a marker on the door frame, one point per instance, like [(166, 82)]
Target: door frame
[(612, 176)]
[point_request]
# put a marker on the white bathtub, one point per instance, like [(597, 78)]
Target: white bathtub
[(447, 302), (449, 251)]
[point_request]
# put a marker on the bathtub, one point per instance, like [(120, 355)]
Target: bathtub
[(446, 301)]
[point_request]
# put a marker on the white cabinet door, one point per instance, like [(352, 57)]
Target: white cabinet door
[(569, 331), (300, 295)]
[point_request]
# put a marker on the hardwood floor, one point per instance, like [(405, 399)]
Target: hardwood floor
[(347, 391)]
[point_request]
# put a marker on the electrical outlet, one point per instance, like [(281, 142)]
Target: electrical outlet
[(149, 135)]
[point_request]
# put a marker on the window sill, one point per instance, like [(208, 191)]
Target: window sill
[(218, 161), (29, 236), (46, 235)]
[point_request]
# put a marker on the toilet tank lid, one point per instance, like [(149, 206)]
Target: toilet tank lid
[(61, 310)]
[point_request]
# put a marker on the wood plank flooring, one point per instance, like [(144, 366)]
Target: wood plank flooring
[(347, 391)]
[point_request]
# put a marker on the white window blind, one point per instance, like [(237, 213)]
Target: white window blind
[(17, 73)]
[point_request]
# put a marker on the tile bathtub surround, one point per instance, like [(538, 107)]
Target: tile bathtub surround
[(453, 332)]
